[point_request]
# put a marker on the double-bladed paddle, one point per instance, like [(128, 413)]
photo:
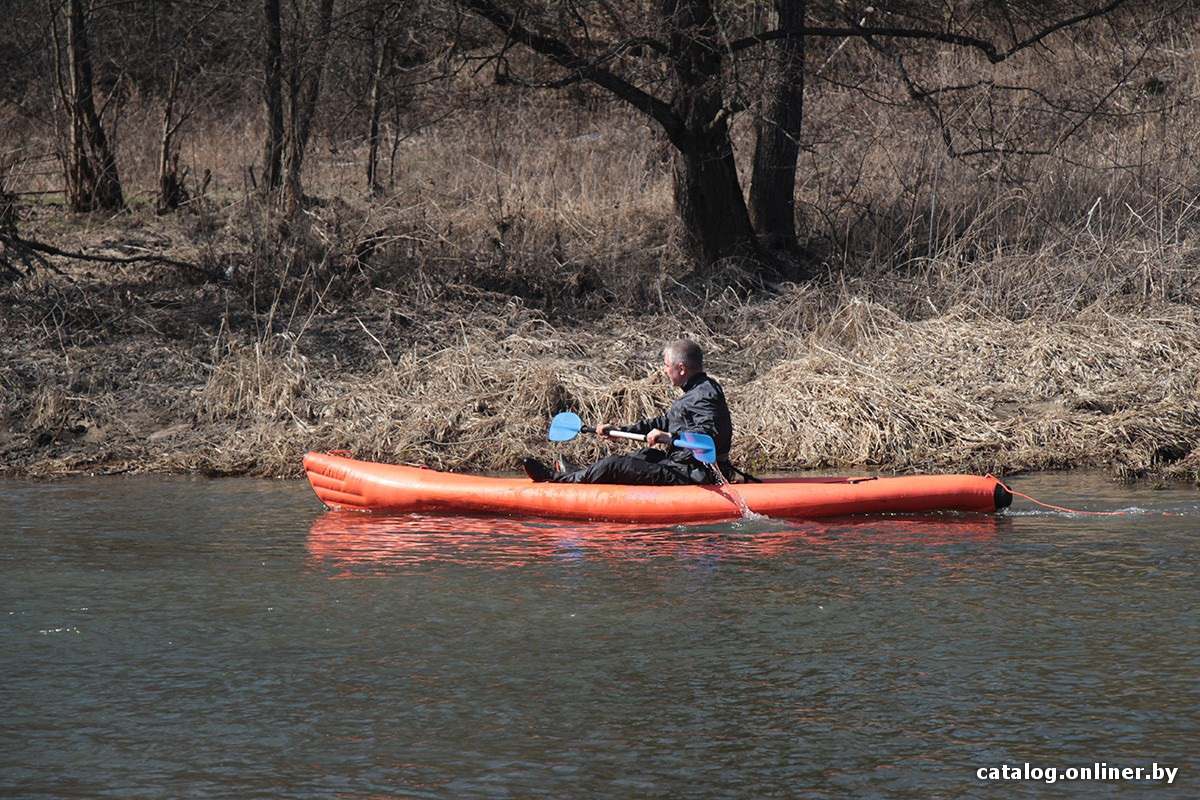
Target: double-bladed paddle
[(567, 425)]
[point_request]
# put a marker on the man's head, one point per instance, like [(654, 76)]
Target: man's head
[(682, 359)]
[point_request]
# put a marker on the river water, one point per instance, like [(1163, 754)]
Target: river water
[(171, 638)]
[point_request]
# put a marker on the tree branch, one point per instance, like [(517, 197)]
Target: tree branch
[(856, 31), (993, 53), (566, 57), (19, 243), (1066, 23), (926, 98)]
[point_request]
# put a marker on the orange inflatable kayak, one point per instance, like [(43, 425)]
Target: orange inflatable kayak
[(347, 484)]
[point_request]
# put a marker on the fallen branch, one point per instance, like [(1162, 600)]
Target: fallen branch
[(20, 246), (13, 250)]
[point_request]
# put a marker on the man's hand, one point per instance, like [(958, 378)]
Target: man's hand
[(603, 429), (658, 437)]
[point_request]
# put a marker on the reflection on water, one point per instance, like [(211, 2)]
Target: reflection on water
[(362, 543)]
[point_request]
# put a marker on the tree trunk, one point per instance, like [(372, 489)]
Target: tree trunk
[(777, 137), (305, 91), (708, 194), (91, 169), (709, 200), (8, 208), (383, 46), (272, 172), (170, 183)]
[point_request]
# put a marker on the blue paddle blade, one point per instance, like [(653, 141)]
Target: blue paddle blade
[(565, 427), (702, 446)]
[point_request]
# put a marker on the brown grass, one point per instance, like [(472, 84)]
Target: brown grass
[(962, 391)]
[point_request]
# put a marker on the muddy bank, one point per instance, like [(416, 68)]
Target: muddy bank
[(136, 368)]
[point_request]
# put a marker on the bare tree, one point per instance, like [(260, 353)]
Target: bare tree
[(170, 181), (272, 170), (381, 62), (383, 54), (707, 191), (290, 117), (176, 33), (777, 134), (304, 89), (90, 169)]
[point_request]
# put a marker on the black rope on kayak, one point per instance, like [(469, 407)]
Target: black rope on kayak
[(746, 475), (734, 472)]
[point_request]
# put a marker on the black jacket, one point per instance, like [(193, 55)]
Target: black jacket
[(701, 409)]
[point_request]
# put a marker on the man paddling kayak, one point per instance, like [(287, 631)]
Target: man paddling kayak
[(701, 409)]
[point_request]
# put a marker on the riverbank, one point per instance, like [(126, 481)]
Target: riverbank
[(1045, 361)]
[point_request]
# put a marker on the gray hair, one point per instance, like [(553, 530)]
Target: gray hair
[(686, 352)]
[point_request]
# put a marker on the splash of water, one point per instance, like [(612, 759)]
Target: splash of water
[(1131, 511), (726, 488)]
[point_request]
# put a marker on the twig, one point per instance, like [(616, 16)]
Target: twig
[(42, 247), (375, 340)]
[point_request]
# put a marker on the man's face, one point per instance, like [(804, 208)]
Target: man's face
[(675, 371)]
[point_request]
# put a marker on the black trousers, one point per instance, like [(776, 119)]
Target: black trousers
[(645, 467)]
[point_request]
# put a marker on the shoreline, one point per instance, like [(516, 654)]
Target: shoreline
[(1150, 482)]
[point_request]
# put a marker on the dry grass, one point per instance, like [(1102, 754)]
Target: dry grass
[(973, 391), (962, 391)]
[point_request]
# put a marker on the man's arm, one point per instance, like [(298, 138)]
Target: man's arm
[(644, 426)]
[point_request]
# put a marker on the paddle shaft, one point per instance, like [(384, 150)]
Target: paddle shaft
[(637, 437)]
